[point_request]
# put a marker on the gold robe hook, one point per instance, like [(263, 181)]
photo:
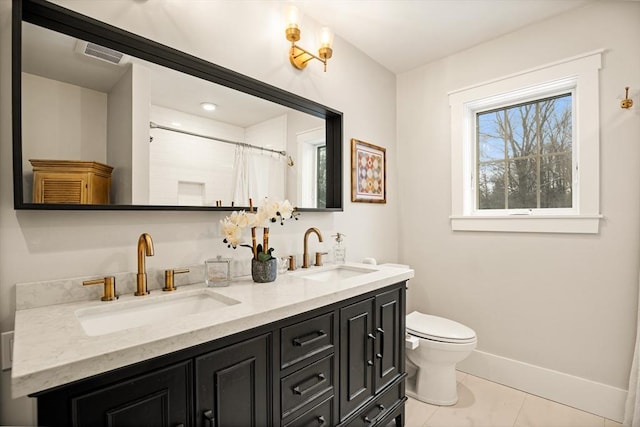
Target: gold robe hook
[(626, 102)]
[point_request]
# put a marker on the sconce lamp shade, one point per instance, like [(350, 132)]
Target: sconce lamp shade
[(292, 31), (293, 17), (326, 37)]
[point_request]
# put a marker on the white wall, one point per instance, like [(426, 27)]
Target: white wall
[(119, 138), (67, 122), (565, 303), (140, 96), (38, 245)]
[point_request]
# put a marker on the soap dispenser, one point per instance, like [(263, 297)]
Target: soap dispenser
[(339, 251)]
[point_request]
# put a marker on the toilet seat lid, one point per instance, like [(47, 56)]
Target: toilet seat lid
[(438, 328)]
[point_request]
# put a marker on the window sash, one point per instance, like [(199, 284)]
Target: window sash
[(509, 158)]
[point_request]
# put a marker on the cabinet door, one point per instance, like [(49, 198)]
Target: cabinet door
[(388, 343), (60, 187), (161, 398), (356, 355), (233, 385)]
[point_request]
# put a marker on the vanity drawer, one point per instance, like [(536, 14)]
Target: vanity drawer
[(306, 338), (379, 408), (319, 416), (305, 385)]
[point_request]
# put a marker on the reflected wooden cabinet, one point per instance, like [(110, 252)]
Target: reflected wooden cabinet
[(71, 182)]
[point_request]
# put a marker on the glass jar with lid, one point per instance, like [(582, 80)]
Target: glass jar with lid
[(217, 271)]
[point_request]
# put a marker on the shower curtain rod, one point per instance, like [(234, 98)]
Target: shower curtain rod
[(153, 125)]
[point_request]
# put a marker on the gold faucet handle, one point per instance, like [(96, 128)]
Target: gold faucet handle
[(109, 283), (319, 258), (292, 262), (169, 284)]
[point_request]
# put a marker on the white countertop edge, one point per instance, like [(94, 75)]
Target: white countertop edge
[(35, 370)]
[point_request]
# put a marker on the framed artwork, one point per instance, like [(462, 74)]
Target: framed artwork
[(368, 172)]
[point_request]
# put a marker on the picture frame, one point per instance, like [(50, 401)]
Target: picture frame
[(368, 172)]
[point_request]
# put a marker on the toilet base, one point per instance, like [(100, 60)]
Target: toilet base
[(435, 386), (413, 395)]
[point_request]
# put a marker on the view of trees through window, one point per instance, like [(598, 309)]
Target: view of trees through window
[(524, 155)]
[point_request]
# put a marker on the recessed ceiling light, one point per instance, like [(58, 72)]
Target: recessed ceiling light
[(176, 124), (209, 106)]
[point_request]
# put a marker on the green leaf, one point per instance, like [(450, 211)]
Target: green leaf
[(262, 257)]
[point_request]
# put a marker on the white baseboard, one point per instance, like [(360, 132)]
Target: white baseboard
[(586, 395)]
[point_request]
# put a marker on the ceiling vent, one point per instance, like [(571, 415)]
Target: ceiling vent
[(100, 52)]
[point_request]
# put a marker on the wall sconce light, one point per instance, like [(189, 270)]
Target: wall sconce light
[(299, 56)]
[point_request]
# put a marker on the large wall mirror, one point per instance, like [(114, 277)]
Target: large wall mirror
[(105, 119)]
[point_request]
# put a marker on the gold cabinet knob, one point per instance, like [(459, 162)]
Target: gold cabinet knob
[(169, 284), (109, 282)]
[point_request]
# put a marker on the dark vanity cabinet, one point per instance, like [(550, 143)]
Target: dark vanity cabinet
[(159, 397), (233, 385), (338, 365), (372, 357)]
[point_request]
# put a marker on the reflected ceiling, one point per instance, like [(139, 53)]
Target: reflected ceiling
[(53, 55)]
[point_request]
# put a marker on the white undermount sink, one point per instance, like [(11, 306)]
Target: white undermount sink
[(335, 272), (121, 315)]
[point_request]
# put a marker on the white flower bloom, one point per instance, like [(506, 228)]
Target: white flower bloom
[(253, 220), (260, 217), (285, 209), (269, 209), (243, 219), (235, 238), (232, 232)]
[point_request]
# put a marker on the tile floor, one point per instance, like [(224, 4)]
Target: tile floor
[(482, 403)]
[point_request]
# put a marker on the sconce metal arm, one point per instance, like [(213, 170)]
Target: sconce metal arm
[(299, 57)]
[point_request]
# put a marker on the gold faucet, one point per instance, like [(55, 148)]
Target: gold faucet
[(305, 255), (145, 247)]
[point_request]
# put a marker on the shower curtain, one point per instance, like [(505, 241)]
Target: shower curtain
[(257, 175), (632, 407), (242, 183)]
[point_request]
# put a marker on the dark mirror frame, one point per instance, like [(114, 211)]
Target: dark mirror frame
[(57, 18)]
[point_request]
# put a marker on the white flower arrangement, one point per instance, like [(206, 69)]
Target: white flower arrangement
[(268, 212)]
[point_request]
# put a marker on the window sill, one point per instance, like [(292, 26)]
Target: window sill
[(574, 224)]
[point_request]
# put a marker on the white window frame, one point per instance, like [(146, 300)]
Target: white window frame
[(578, 75), (308, 143)]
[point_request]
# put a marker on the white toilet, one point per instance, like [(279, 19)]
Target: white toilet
[(434, 346)]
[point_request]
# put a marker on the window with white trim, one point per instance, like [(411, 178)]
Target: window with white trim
[(525, 151), (524, 155)]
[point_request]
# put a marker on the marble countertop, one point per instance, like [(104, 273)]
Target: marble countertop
[(51, 347)]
